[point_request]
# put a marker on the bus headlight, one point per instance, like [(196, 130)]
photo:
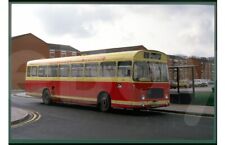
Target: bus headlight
[(143, 97)]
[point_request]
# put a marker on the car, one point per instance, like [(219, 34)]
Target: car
[(210, 82), (204, 84), (184, 84), (173, 84), (197, 82), (200, 83)]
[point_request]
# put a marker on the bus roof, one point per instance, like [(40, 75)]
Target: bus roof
[(126, 55)]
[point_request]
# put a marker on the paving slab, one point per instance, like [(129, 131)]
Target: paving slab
[(22, 94), (189, 109), (18, 115)]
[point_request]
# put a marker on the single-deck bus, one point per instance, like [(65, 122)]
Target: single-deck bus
[(131, 79)]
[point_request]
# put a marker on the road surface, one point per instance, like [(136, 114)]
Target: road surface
[(72, 122)]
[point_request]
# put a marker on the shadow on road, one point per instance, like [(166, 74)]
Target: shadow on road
[(114, 111), (132, 112)]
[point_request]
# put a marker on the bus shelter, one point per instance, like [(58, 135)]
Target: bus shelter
[(179, 96)]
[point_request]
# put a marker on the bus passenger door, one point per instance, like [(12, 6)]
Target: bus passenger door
[(123, 86)]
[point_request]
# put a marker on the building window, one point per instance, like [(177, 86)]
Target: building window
[(74, 53), (63, 53), (52, 53)]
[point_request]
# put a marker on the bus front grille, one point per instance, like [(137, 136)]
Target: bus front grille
[(155, 93)]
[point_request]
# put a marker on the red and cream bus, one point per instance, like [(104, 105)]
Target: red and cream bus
[(132, 79)]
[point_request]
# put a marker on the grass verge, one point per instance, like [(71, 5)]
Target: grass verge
[(203, 98)]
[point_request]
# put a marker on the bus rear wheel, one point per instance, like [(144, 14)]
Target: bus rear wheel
[(104, 102), (46, 97)]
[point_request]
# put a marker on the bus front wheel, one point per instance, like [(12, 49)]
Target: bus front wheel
[(46, 97), (104, 102)]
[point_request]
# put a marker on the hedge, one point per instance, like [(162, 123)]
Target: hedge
[(203, 98)]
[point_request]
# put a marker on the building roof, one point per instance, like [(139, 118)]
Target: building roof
[(18, 36), (51, 46), (61, 47), (110, 50)]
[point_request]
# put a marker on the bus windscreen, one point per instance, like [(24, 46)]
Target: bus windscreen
[(150, 72)]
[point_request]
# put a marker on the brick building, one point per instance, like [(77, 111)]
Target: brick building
[(204, 67), (29, 47), (58, 50), (174, 60)]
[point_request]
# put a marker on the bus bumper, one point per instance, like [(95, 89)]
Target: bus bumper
[(141, 104)]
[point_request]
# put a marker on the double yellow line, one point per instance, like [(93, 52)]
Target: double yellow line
[(34, 117)]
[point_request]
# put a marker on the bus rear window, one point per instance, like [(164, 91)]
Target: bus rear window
[(33, 71), (28, 71), (42, 71), (124, 68)]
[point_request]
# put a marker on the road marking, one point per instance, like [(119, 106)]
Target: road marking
[(183, 114), (35, 116)]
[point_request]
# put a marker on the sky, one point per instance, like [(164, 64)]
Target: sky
[(173, 29)]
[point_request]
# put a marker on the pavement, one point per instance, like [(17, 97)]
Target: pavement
[(19, 115), (189, 109)]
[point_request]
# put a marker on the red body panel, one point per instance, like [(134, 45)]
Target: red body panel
[(128, 92)]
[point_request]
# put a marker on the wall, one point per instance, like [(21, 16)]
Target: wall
[(24, 48), (203, 67)]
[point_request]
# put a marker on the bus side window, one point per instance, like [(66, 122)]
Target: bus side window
[(28, 71), (124, 68), (91, 69), (164, 73), (77, 70), (64, 70), (33, 71), (42, 71), (108, 69), (53, 71)]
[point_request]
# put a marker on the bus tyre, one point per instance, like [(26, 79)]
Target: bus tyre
[(46, 97), (104, 102), (137, 109)]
